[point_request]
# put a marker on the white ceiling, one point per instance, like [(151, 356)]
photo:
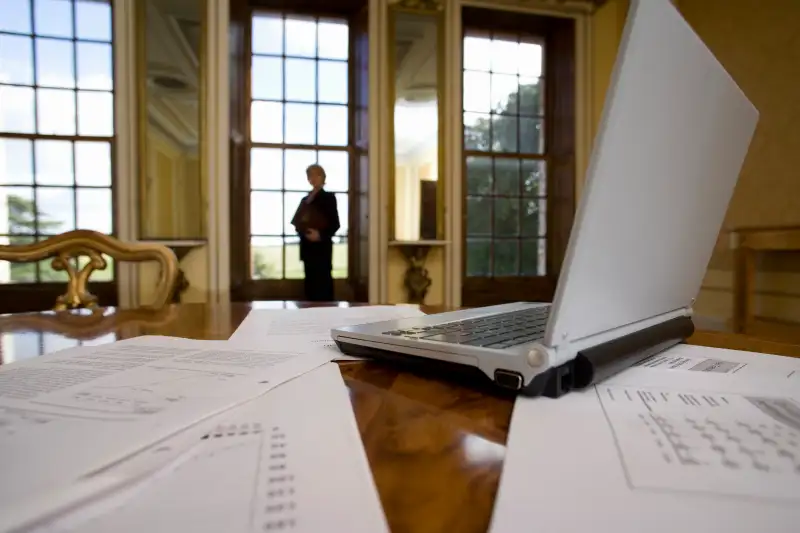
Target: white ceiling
[(173, 62)]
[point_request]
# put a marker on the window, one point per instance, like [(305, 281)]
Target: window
[(299, 115), (506, 157), (56, 125), (519, 147)]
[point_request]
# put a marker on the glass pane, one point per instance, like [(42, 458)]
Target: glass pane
[(266, 255), (504, 133), (95, 69), (506, 176), (301, 37), (531, 135), (477, 53), (477, 128), (54, 163), (479, 216), (93, 20), (266, 122), (479, 261), (100, 275), (534, 181), (16, 110), (267, 35), (95, 113), (333, 40), (53, 18), (300, 123), (533, 257), (267, 78), (265, 213), (301, 80), (530, 59), (332, 82), (15, 16), (477, 92), (504, 93), (506, 257), (332, 126), (297, 161), (266, 168), (479, 175), (504, 56), (19, 206), (343, 206), (47, 274), (291, 201), (16, 59), (337, 169), (506, 217), (56, 207), (54, 63), (17, 272), (93, 163), (340, 260), (56, 111), (16, 161), (531, 97), (534, 217), (294, 267), (94, 210)]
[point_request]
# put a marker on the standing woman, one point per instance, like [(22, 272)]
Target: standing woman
[(317, 221)]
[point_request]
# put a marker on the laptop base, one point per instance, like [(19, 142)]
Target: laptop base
[(590, 365)]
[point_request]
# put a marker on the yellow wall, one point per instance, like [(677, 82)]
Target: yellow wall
[(758, 42), (407, 204), (174, 209), (172, 196)]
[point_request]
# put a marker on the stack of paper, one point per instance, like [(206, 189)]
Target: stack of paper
[(694, 439), (168, 434)]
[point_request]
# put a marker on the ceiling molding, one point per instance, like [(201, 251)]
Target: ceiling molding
[(171, 55)]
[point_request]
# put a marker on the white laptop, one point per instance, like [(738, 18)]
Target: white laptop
[(674, 134)]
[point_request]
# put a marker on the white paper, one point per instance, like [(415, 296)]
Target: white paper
[(291, 460), (68, 414), (702, 359), (658, 451), (309, 330)]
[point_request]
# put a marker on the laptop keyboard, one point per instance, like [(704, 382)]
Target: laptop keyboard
[(496, 331)]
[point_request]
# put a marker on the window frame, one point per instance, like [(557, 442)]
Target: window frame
[(38, 295), (243, 287), (557, 37)]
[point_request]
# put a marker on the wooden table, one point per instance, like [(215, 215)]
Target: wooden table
[(436, 449)]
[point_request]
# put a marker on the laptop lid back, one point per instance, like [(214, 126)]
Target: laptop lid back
[(674, 134)]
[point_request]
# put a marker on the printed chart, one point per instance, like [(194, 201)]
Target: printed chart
[(723, 444)]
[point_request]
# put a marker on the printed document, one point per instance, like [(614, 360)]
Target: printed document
[(702, 359), (64, 415), (659, 450), (291, 460), (309, 330)]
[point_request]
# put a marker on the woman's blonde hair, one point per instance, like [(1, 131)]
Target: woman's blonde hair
[(316, 168)]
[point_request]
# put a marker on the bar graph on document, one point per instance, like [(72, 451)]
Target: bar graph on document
[(725, 444)]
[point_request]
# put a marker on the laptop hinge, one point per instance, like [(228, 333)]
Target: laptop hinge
[(593, 363)]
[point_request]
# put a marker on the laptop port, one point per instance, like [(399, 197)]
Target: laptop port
[(508, 379)]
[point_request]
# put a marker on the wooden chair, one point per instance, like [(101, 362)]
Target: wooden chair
[(67, 247), (750, 243)]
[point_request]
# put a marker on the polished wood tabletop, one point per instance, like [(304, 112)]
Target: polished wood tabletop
[(435, 448)]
